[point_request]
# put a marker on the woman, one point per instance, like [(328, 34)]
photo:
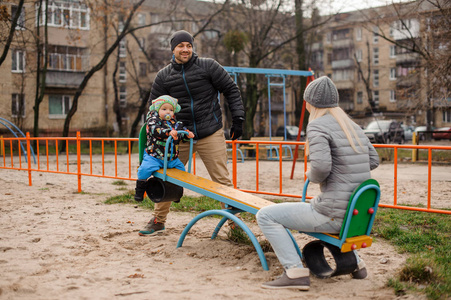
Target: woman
[(341, 158)]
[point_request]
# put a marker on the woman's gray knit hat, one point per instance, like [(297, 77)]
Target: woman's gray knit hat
[(179, 37), (322, 93)]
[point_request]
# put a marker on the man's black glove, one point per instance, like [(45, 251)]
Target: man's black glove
[(237, 128)]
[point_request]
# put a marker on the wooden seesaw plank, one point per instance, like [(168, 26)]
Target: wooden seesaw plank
[(226, 194)]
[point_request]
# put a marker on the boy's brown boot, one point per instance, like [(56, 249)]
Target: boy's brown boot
[(140, 189), (152, 228)]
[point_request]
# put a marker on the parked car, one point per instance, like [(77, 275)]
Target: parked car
[(443, 133), (423, 133), (408, 131), (292, 132), (385, 131)]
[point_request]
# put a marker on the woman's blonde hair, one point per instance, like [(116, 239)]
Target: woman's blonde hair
[(343, 120)]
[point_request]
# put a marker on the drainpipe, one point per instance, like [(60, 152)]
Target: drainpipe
[(105, 76)]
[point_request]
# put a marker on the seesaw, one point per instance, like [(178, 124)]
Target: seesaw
[(168, 184)]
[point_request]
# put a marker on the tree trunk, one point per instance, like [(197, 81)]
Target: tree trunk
[(96, 68), (41, 72)]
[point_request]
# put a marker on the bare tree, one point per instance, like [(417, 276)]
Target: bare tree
[(270, 29), (366, 78), (98, 67), (41, 57), (421, 27), (10, 21)]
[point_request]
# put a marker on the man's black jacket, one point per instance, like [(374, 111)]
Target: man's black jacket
[(196, 85)]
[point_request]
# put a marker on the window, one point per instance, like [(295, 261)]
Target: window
[(63, 58), (194, 27), (392, 73), (74, 15), (375, 78), (376, 56), (18, 61), (446, 116), (359, 97), (358, 34), (375, 34), (59, 105), (376, 98), (142, 44), (18, 105), (163, 28), (392, 29), (123, 96), (358, 55), (329, 58), (142, 69), (392, 51), (123, 48), (406, 71), (141, 19), (21, 20), (120, 27), (345, 74), (122, 72), (328, 37), (392, 96)]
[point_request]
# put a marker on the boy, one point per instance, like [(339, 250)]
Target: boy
[(160, 124)]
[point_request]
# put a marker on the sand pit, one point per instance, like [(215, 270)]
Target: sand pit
[(56, 243)]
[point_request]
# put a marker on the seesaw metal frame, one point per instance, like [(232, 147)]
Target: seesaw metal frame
[(228, 213)]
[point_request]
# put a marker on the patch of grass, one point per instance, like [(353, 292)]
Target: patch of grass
[(397, 286), (427, 237), (238, 236), (119, 182), (198, 205), (126, 198)]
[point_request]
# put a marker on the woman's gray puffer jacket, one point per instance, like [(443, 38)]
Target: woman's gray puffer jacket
[(196, 85), (336, 166)]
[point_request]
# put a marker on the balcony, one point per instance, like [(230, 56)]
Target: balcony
[(278, 106), (347, 106), (344, 84), (405, 104), (346, 43), (408, 81), (317, 47), (343, 64), (63, 79), (407, 58)]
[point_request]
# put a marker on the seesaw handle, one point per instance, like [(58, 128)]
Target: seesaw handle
[(168, 143)]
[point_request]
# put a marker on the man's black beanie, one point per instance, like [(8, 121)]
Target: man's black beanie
[(180, 37)]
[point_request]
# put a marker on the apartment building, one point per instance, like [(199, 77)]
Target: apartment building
[(71, 53), (78, 36), (376, 77)]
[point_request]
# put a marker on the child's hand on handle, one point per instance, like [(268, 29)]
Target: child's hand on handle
[(173, 133), (190, 134)]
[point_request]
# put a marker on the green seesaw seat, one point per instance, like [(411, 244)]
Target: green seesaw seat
[(354, 234)]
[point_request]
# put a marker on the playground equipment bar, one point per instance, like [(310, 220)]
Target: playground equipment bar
[(16, 154)]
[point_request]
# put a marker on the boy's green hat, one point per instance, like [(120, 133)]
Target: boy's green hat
[(157, 103)]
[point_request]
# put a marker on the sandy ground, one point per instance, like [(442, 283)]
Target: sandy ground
[(56, 243)]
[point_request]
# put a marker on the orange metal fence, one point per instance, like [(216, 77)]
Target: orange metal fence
[(72, 160)]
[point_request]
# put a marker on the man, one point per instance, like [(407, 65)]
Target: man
[(195, 82)]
